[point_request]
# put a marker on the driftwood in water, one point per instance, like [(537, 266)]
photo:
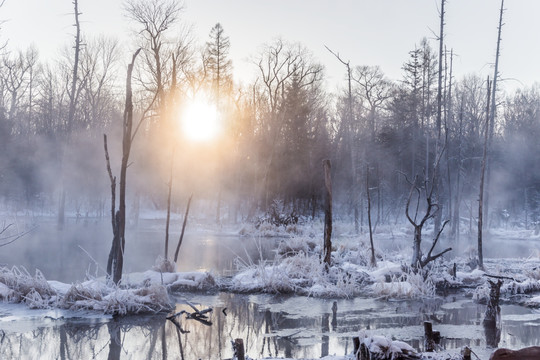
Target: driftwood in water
[(529, 353), (199, 315)]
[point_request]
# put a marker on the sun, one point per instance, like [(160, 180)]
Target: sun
[(200, 120)]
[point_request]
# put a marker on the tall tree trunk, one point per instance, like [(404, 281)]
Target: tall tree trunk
[(493, 109), (482, 176), (116, 254), (438, 146), (71, 110)]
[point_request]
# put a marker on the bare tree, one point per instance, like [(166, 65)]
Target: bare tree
[(116, 256), (98, 65), (17, 78), (375, 89), (423, 191), (154, 19)]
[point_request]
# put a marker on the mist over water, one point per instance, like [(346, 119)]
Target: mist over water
[(81, 249)]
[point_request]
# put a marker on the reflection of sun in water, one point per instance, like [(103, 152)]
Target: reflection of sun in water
[(200, 120)]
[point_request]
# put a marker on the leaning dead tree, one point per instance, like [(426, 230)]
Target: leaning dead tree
[(424, 192), (115, 262)]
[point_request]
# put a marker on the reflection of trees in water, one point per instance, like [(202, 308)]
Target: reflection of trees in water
[(265, 332), (74, 340)]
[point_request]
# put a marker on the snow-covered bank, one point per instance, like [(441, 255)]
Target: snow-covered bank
[(298, 268), (139, 293)]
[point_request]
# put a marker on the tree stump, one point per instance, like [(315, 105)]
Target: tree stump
[(429, 341), (238, 347)]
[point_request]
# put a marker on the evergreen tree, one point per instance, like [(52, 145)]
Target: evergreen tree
[(218, 65)]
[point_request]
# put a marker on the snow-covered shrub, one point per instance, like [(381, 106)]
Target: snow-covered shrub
[(508, 288), (409, 285), (80, 293), (164, 265), (381, 347), (22, 283), (135, 301), (533, 273), (190, 281), (303, 273), (7, 294), (296, 245), (34, 300)]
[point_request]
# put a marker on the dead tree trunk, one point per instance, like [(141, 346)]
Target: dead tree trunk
[(71, 110), (373, 261), (168, 221), (349, 122), (116, 255), (423, 192), (238, 348), (493, 312), (438, 184), (183, 229), (482, 177), (493, 109), (327, 213)]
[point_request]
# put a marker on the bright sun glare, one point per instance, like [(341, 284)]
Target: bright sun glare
[(200, 120)]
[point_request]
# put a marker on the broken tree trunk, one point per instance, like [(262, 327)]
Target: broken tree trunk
[(327, 212), (429, 342), (238, 347), (493, 311)]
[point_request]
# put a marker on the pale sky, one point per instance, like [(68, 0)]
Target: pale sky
[(367, 32)]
